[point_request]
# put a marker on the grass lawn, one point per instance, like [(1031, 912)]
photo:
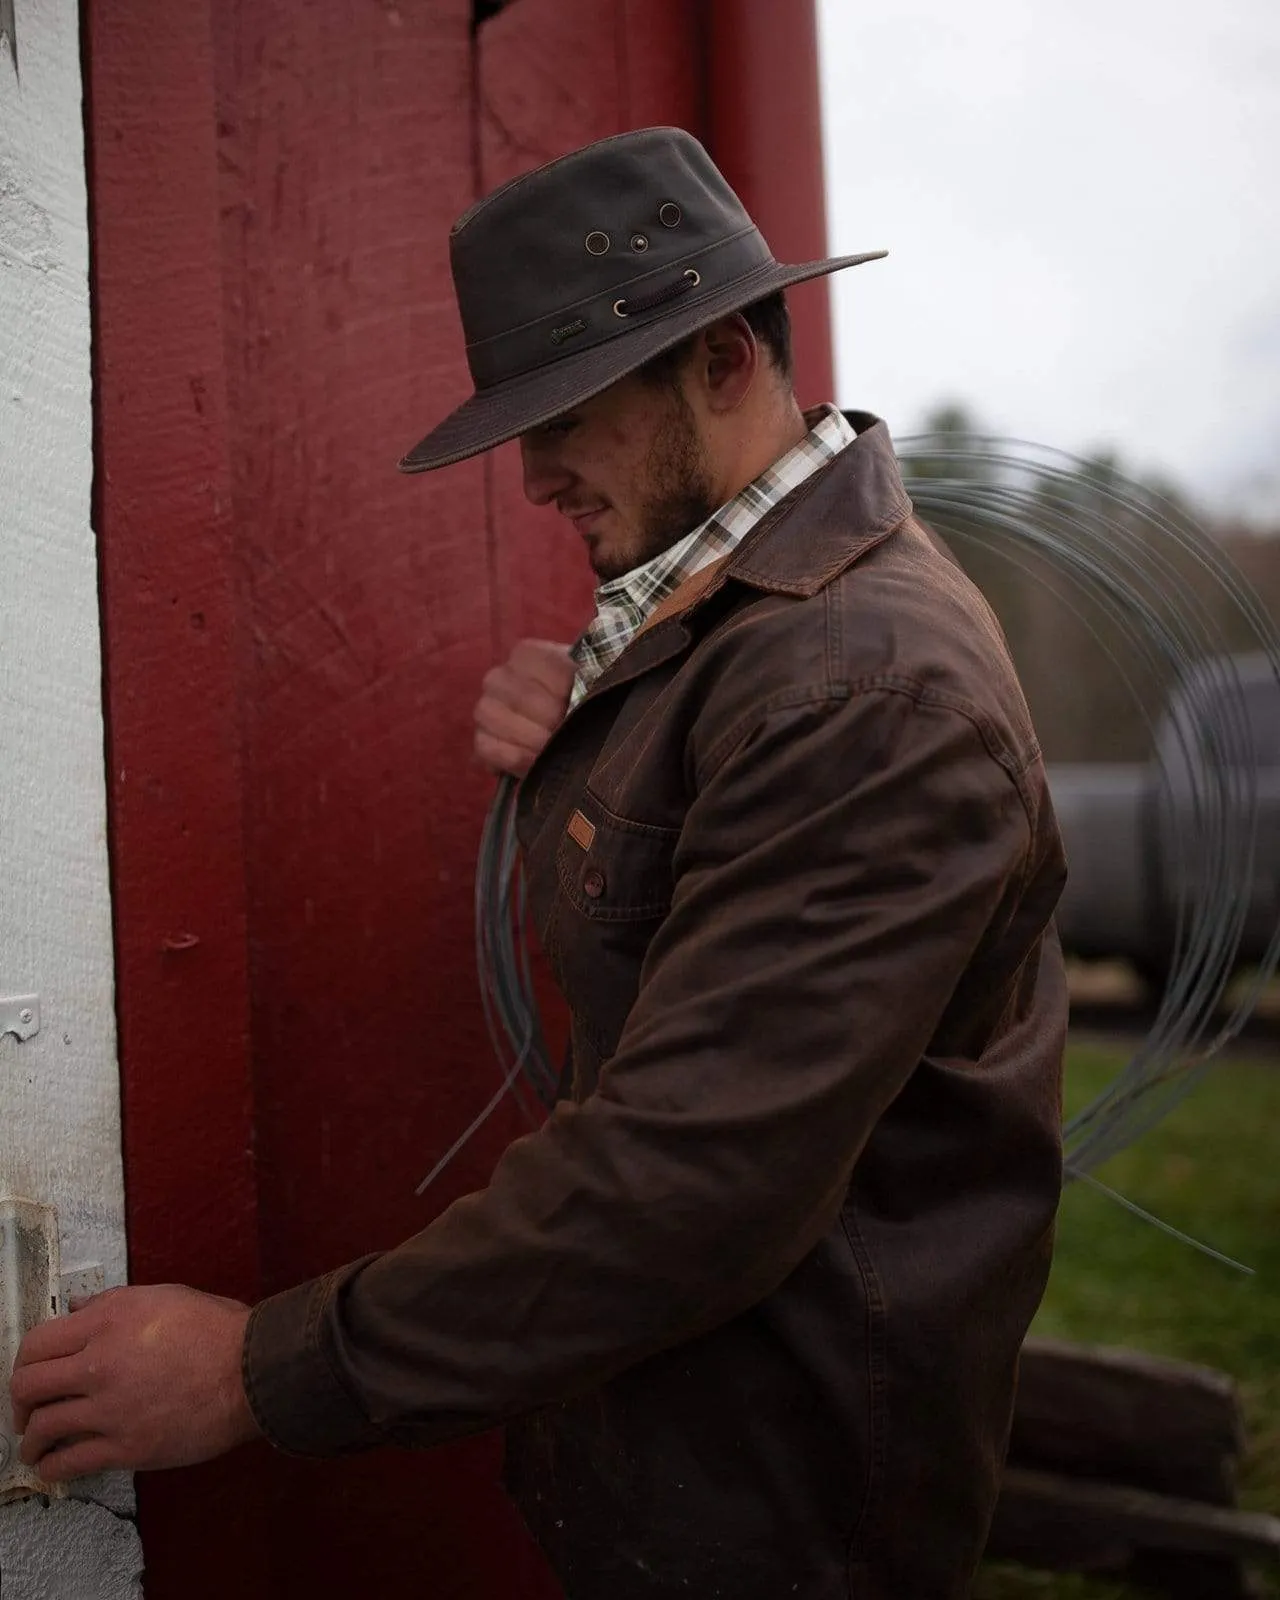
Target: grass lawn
[(1212, 1168)]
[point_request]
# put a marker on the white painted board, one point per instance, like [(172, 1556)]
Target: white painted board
[(59, 1089)]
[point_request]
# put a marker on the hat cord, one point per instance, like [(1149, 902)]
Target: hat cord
[(690, 279)]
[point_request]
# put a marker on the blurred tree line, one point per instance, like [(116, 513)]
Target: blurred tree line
[(1093, 688)]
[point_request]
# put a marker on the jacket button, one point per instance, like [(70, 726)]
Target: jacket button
[(593, 884)]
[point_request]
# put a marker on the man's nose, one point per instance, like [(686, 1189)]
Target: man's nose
[(544, 477)]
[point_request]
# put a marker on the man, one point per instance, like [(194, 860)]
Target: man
[(751, 1300)]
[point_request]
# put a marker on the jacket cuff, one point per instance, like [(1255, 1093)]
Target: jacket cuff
[(290, 1382)]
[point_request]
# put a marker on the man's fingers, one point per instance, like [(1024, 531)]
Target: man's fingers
[(504, 686), (511, 727), (157, 1385), (55, 1425), (500, 756), (522, 703), (60, 1336), (45, 1381), (77, 1458), (548, 664)]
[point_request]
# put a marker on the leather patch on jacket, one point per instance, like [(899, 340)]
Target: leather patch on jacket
[(581, 831)]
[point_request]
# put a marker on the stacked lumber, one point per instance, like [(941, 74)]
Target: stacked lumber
[(1124, 1464)]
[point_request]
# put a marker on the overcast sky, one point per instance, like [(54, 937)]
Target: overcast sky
[(1082, 208)]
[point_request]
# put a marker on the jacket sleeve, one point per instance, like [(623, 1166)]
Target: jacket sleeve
[(842, 863)]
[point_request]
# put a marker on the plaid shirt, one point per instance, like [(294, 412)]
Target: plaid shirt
[(624, 604)]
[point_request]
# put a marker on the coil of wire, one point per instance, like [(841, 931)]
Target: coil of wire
[(1159, 584)]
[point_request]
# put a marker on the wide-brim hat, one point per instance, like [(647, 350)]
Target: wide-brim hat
[(573, 275)]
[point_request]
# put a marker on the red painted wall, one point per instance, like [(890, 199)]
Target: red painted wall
[(176, 779), (295, 637)]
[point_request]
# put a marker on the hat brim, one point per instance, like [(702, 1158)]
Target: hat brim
[(494, 415)]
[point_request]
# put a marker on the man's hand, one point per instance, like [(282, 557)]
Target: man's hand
[(521, 705), (145, 1377)]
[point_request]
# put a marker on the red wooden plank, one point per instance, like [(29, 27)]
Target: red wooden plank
[(628, 70), (347, 151), (634, 63), (766, 136), (663, 52), (550, 81), (169, 627)]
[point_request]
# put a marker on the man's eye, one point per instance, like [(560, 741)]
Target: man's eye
[(558, 427)]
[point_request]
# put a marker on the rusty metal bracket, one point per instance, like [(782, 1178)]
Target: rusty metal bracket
[(19, 1013), (30, 1293)]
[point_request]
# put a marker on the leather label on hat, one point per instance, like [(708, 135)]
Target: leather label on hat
[(559, 335), (581, 831)]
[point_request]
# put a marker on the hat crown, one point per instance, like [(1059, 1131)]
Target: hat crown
[(562, 244), (578, 273)]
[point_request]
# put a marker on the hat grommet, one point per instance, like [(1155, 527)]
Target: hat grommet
[(597, 243), (639, 241), (669, 214)]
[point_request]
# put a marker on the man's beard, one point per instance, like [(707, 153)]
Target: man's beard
[(680, 493)]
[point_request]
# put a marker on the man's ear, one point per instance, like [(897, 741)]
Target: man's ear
[(730, 362)]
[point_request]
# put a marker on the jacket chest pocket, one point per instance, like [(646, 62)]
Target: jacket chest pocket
[(615, 884)]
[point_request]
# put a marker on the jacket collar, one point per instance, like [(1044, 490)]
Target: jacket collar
[(809, 538), (835, 516)]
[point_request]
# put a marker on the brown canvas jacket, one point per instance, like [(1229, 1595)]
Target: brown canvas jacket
[(751, 1300)]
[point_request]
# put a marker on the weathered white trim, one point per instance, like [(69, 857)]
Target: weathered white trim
[(59, 1088)]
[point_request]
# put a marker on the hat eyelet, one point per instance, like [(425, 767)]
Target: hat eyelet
[(694, 276), (618, 310), (597, 243), (669, 214), (639, 241)]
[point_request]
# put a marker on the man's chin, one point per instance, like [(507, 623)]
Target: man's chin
[(606, 567)]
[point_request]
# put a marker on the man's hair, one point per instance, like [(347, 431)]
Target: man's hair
[(768, 319)]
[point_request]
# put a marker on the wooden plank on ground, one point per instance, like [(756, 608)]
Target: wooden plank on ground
[(1123, 1416), (1047, 1520)]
